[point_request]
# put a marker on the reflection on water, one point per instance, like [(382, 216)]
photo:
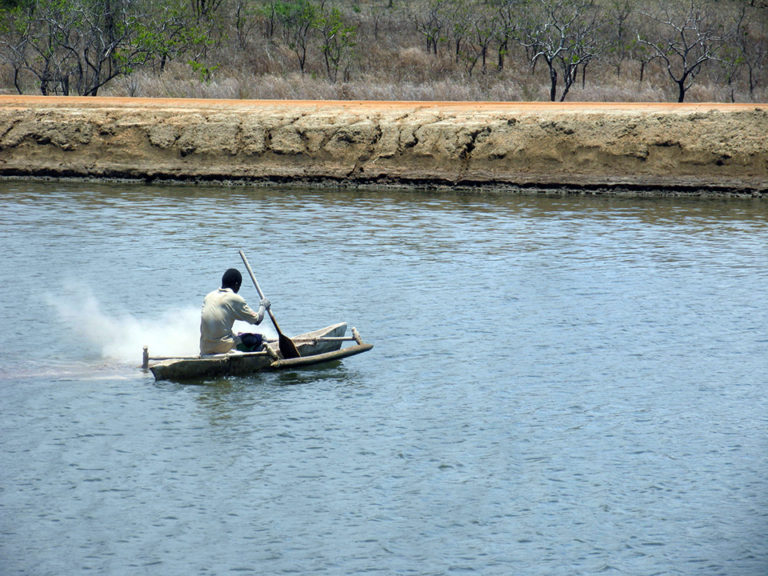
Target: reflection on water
[(559, 385)]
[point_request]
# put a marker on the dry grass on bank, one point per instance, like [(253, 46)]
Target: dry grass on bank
[(177, 82)]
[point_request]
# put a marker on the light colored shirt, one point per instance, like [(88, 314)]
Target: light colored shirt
[(220, 310)]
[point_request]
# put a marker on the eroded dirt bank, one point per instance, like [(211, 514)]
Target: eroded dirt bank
[(689, 148)]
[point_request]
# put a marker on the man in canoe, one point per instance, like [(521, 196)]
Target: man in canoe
[(220, 310)]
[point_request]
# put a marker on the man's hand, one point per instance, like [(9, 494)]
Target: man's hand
[(265, 303)]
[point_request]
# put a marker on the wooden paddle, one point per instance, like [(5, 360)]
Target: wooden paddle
[(287, 347)]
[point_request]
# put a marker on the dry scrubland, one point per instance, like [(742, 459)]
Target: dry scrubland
[(390, 62), (460, 50)]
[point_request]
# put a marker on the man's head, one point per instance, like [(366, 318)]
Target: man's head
[(232, 279)]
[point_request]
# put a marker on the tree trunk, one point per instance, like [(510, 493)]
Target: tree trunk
[(16, 73), (553, 80), (502, 51)]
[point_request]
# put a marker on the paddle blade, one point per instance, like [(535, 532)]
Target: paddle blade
[(287, 347)]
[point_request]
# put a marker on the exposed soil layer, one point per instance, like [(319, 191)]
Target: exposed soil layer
[(594, 147)]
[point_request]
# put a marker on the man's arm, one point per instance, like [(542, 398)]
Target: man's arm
[(246, 314)]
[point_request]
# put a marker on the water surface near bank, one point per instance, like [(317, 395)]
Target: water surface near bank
[(559, 385)]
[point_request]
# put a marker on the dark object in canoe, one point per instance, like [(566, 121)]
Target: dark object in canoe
[(315, 347)]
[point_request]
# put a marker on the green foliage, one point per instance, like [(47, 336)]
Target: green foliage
[(81, 45), (203, 71), (338, 39), (295, 13), (297, 19)]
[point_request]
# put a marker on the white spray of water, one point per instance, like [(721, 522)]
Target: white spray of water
[(121, 337)]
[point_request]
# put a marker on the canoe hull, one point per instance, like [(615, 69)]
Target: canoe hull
[(323, 345), (200, 368)]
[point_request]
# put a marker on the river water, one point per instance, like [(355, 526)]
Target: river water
[(559, 385)]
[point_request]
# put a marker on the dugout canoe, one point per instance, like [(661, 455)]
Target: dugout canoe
[(323, 345)]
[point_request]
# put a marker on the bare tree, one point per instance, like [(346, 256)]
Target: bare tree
[(620, 38), (484, 29), (752, 42), (563, 35), (732, 55), (430, 26), (14, 47), (245, 21), (48, 31), (507, 14), (205, 9), (685, 41), (107, 46), (459, 24), (78, 46), (376, 13)]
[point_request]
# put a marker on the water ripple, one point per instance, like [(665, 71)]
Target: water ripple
[(559, 386)]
